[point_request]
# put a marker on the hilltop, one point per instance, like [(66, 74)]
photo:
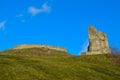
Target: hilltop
[(35, 52), (35, 64), (43, 62)]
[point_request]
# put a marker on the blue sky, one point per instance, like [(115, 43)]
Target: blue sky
[(57, 22)]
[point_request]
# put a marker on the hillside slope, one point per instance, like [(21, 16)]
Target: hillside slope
[(35, 64)]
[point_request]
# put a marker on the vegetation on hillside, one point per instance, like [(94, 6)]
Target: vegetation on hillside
[(27, 65)]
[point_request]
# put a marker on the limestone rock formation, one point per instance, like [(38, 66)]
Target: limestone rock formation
[(98, 43)]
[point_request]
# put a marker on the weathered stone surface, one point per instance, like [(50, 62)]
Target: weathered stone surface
[(24, 46), (98, 43)]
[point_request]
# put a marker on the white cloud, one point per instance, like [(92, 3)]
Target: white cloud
[(33, 10), (44, 8), (2, 24)]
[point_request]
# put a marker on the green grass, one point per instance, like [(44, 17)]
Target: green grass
[(19, 65)]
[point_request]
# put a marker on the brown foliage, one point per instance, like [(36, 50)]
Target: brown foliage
[(115, 58)]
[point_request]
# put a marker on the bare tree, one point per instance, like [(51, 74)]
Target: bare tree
[(115, 50)]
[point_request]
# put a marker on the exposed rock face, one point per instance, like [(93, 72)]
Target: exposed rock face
[(24, 46), (98, 43)]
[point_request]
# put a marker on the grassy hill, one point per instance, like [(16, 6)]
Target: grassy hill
[(40, 64)]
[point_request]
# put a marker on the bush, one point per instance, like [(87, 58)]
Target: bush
[(115, 50)]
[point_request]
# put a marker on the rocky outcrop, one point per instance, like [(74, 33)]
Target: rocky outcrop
[(24, 46), (98, 43)]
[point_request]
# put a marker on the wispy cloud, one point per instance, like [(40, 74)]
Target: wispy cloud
[(33, 10), (2, 24), (19, 15), (44, 8)]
